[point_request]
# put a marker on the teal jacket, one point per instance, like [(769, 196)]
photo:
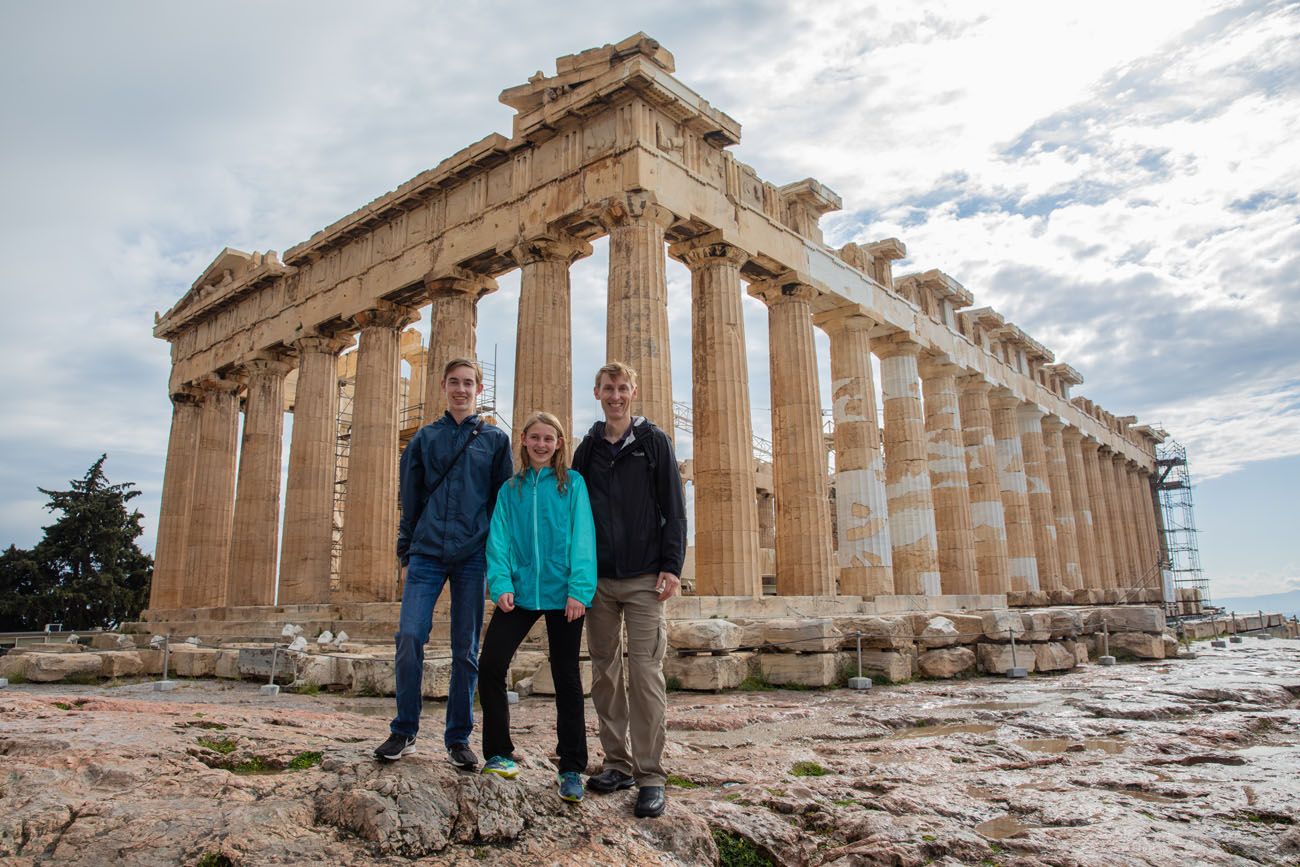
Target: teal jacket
[(542, 543)]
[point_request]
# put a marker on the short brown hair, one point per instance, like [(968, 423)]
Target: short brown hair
[(464, 362), (617, 370)]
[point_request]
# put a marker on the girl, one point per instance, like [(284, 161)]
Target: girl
[(541, 561)]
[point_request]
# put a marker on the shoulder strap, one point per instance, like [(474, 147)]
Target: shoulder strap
[(469, 439)]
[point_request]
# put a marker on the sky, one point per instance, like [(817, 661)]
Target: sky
[(1118, 179)]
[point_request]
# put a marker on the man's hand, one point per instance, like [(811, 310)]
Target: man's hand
[(668, 586), (573, 609), (402, 577), (507, 602)]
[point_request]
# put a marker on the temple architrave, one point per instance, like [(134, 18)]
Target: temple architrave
[(987, 483)]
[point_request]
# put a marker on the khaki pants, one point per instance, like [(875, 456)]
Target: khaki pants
[(631, 703)]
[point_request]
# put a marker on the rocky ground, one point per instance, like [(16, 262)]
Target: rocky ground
[(1176, 762)]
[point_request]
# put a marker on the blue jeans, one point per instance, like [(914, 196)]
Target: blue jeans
[(425, 578)]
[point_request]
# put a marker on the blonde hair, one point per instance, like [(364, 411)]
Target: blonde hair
[(617, 370), (463, 362), (559, 461)]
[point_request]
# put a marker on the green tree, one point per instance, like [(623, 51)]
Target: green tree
[(87, 571)]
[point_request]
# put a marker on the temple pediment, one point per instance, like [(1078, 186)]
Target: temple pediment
[(223, 280)]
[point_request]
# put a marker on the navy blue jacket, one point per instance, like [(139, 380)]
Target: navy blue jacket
[(452, 523)]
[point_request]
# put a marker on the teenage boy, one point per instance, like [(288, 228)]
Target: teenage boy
[(637, 502), (450, 474)]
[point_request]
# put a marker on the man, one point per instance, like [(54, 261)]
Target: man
[(450, 474), (636, 500)]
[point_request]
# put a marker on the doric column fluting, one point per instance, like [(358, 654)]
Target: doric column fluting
[(636, 322), (1118, 521), (1081, 499), (255, 539), (1146, 560), (987, 515), (368, 569), (1042, 514), (177, 494), (309, 490), (1021, 560), (1058, 478), (453, 328), (799, 470), (864, 555), (1093, 461), (907, 471), (726, 514), (949, 485), (544, 339), (213, 505), (766, 520)]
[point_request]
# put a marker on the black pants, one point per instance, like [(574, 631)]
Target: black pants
[(505, 632)]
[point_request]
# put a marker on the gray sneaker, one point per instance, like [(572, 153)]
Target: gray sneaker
[(395, 747), (462, 757)]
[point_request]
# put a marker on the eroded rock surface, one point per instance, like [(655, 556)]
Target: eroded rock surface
[(1146, 763)]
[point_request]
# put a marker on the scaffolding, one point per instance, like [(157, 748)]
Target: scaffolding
[(684, 421), (1180, 549)]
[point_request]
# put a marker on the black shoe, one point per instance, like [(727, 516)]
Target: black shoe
[(609, 780), (395, 747), (462, 757), (649, 802)]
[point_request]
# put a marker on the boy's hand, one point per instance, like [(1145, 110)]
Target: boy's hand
[(507, 602), (573, 609), (668, 585)]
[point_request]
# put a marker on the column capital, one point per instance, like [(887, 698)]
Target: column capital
[(219, 384), (266, 364), (782, 289), (1090, 444), (846, 317), (551, 247), (187, 394), (386, 314), (707, 249), (458, 281), (1030, 413), (1001, 397), (895, 344), (634, 208), (1072, 434), (934, 364), (1052, 424), (975, 383), (315, 342)]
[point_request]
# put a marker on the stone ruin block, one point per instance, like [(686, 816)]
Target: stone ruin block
[(111, 641), (50, 667), (707, 673), (1028, 599), (1089, 596), (1127, 619), (1112, 596), (373, 676), (1139, 645), (525, 664), (800, 669), (227, 664), (1060, 597), (712, 634), (120, 663), (946, 630), (1171, 646), (59, 647), (946, 662), (1080, 651), (13, 666), (892, 666), (996, 658), (190, 661), (1038, 626), (751, 631), (1053, 656), (436, 680), (802, 635), (255, 664), (878, 633), (1066, 624), (321, 669), (544, 684), (1001, 625)]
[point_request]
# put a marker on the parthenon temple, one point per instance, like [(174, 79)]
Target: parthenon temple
[(988, 478)]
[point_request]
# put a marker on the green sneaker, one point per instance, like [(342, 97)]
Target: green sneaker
[(502, 767), (570, 786)]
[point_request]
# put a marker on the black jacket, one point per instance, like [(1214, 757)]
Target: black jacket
[(636, 500)]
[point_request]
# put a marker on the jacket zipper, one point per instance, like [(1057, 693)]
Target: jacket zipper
[(537, 568)]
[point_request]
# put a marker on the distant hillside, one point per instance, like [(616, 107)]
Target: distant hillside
[(1286, 603)]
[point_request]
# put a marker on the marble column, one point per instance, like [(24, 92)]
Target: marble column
[(212, 508), (453, 328), (1021, 560), (1041, 511), (309, 490), (1081, 499), (1058, 479), (255, 539), (544, 340), (949, 486), (726, 515), (907, 472), (799, 470), (766, 520), (864, 555), (1118, 521), (1102, 536), (169, 574), (368, 571), (1146, 560), (636, 329), (987, 515)]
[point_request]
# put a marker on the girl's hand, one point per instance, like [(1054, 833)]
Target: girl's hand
[(507, 602), (573, 609)]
